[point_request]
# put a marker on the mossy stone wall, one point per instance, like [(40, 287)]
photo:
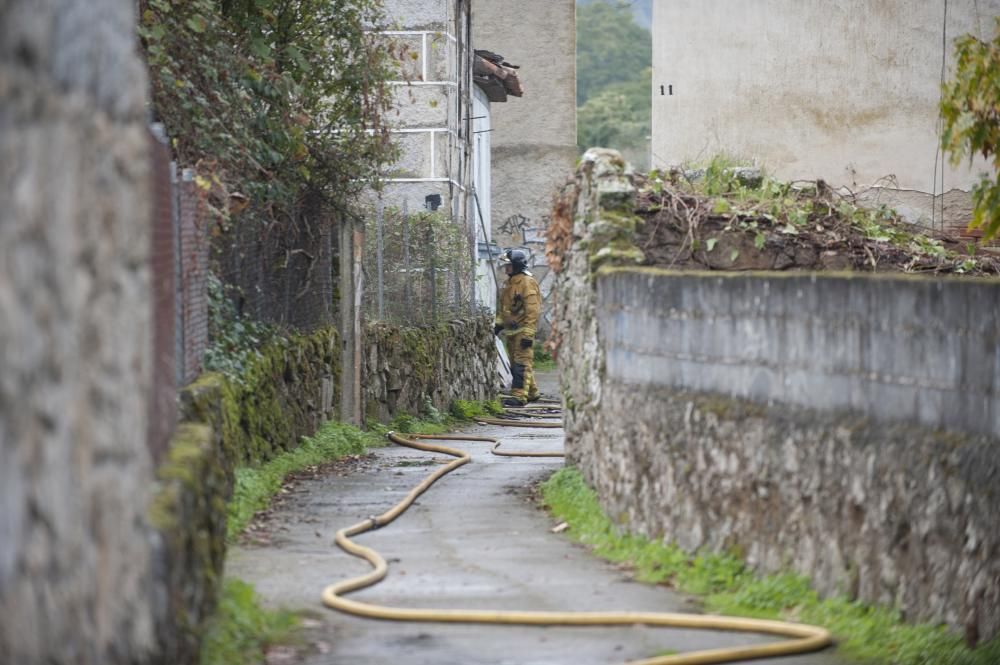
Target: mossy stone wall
[(286, 393), (407, 368)]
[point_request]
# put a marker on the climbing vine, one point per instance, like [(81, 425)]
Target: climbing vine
[(426, 256), (278, 100), (235, 340)]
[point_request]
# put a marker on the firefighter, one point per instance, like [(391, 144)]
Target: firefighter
[(517, 317)]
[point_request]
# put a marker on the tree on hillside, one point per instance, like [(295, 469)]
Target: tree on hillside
[(611, 48), (970, 107), (618, 116)]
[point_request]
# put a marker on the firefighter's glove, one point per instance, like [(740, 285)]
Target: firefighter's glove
[(497, 328), (527, 343)]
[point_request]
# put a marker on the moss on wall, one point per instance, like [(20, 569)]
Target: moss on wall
[(408, 368), (189, 513), (287, 392)]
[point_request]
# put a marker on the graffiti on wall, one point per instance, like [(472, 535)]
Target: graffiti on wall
[(523, 231)]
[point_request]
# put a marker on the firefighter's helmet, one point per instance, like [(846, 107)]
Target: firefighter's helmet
[(516, 257)]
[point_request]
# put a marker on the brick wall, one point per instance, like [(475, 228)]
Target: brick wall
[(163, 396)]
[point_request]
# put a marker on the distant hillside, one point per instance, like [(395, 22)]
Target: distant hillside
[(641, 9), (614, 53)]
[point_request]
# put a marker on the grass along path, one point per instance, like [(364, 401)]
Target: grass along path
[(242, 631), (864, 633)]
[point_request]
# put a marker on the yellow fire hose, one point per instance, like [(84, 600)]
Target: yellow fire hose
[(805, 638)]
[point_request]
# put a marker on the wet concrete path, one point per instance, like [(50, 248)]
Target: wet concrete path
[(474, 540)]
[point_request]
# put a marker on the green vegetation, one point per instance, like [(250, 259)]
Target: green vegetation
[(468, 410), (544, 362), (970, 108), (869, 634), (241, 630), (433, 421), (722, 197), (235, 340), (617, 116), (613, 60), (415, 247), (278, 100), (611, 47), (642, 10), (255, 486)]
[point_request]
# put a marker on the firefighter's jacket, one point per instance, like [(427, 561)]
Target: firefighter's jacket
[(520, 304)]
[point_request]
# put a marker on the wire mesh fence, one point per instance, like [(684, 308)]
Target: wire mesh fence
[(418, 267)]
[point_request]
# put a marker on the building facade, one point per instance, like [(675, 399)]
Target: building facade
[(533, 139), (845, 91), (431, 117), (495, 166)]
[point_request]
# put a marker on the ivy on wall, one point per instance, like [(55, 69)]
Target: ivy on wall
[(274, 101)]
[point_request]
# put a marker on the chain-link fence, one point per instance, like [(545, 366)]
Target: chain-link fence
[(419, 266)]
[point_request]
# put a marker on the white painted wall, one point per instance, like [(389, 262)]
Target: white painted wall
[(431, 102), (486, 286), (846, 91)]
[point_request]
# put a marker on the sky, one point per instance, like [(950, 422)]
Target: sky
[(642, 9)]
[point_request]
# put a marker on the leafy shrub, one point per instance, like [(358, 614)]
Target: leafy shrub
[(241, 630), (972, 121)]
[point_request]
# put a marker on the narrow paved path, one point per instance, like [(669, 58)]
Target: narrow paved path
[(475, 540)]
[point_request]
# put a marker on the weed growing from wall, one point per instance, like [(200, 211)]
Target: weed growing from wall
[(972, 121), (241, 630), (255, 486), (716, 205)]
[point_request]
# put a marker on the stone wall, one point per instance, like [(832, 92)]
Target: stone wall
[(405, 368), (845, 427), (889, 513), (288, 392), (74, 335)]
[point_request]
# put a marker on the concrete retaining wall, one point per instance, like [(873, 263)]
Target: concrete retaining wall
[(895, 348)]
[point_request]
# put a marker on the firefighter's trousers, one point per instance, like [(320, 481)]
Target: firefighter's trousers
[(523, 385)]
